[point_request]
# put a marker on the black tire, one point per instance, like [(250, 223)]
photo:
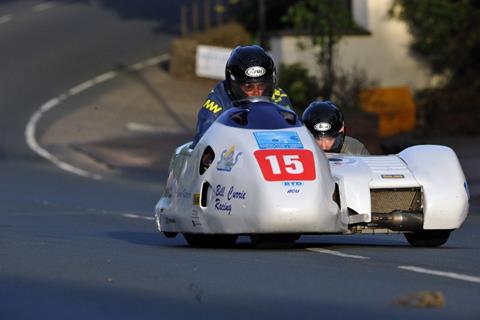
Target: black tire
[(428, 238), (169, 234), (210, 240), (273, 241)]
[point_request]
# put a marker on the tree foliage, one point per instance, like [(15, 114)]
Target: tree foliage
[(446, 34), (325, 22), (302, 88), (246, 13)]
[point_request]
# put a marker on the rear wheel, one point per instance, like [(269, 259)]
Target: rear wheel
[(428, 238), (210, 240)]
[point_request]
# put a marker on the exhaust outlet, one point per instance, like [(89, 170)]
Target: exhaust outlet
[(398, 220)]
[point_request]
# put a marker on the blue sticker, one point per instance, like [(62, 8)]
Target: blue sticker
[(278, 140), (292, 183)]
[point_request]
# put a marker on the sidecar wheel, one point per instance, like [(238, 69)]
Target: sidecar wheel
[(428, 238)]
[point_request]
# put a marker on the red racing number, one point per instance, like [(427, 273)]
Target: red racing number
[(286, 164)]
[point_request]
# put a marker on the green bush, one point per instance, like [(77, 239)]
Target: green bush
[(348, 86), (300, 87)]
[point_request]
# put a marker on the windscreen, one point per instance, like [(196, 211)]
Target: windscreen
[(259, 115)]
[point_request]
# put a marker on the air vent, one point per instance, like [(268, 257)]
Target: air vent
[(204, 194), (336, 195), (206, 160), (389, 200), (241, 117)]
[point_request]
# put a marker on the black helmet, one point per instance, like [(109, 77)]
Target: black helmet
[(324, 119), (249, 64)]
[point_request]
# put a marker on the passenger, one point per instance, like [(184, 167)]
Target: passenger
[(249, 72), (326, 123)]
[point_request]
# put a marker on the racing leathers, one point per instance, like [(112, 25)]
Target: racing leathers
[(218, 100), (352, 146)]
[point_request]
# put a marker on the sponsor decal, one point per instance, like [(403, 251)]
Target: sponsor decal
[(393, 176), (212, 106), (255, 71), (294, 191), (294, 187), (196, 199), (292, 183), (196, 218), (184, 194), (219, 190), (278, 140), (233, 194), (196, 223), (278, 96), (322, 126), (228, 159), (286, 165), (223, 206), (223, 198)]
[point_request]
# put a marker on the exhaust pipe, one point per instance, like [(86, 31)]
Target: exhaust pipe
[(398, 220)]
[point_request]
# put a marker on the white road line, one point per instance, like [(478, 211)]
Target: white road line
[(149, 62), (105, 77), (81, 87), (136, 216), (32, 142), (30, 129), (439, 273), (43, 6), (90, 83), (336, 253), (6, 18), (142, 127)]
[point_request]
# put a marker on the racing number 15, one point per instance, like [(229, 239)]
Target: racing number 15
[(292, 164), (283, 164)]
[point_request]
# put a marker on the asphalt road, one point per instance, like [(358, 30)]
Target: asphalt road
[(78, 248)]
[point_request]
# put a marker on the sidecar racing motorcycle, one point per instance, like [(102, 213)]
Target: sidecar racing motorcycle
[(257, 171)]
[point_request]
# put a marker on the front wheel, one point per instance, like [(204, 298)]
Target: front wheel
[(428, 238), (210, 240)]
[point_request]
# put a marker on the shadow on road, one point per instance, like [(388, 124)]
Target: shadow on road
[(143, 238)]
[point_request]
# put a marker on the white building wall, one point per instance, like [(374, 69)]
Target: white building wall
[(384, 54), (360, 13)]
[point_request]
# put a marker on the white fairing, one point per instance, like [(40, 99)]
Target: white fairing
[(239, 198), (435, 169), (356, 175), (438, 170), (256, 185)]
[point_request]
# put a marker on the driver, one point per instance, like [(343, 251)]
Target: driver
[(326, 123), (249, 72)]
